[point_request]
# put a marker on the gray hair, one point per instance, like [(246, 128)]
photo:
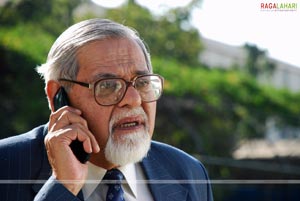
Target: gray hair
[(61, 61)]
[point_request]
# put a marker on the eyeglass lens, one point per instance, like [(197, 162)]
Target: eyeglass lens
[(111, 91)]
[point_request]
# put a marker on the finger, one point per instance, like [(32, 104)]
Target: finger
[(56, 115), (62, 109), (59, 142), (66, 118), (90, 143), (93, 142), (79, 132)]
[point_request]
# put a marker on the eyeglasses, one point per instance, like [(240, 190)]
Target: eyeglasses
[(111, 91)]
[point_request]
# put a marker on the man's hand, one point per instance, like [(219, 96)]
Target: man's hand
[(66, 125)]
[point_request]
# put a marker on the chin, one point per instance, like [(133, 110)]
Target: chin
[(130, 148)]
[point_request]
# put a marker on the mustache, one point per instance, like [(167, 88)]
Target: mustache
[(127, 113)]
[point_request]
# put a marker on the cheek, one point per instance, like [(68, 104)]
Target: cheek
[(98, 121), (150, 109)]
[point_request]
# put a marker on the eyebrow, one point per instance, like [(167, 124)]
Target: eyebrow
[(142, 72), (111, 75), (104, 75)]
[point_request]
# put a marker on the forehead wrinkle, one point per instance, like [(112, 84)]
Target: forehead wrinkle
[(122, 64), (120, 52), (125, 59)]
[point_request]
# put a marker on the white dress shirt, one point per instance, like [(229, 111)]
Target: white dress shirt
[(135, 188)]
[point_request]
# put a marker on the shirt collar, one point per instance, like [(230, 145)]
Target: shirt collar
[(94, 177), (129, 172), (96, 174)]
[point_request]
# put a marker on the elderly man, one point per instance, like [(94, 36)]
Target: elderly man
[(97, 144)]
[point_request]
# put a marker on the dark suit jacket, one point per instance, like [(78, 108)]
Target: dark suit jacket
[(26, 174)]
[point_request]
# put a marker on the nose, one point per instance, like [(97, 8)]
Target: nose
[(131, 98)]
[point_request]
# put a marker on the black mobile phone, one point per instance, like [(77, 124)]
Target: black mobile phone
[(60, 100)]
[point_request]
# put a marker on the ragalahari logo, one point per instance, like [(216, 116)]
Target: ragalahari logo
[(283, 6)]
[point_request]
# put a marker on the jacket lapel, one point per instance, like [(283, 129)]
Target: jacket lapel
[(162, 185)]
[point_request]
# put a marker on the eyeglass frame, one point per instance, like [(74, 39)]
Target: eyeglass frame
[(128, 83)]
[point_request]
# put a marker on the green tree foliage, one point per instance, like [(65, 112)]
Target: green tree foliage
[(52, 15), (209, 111), (28, 28), (257, 61), (23, 103), (168, 36)]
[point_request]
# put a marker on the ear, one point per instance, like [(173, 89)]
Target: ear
[(51, 90)]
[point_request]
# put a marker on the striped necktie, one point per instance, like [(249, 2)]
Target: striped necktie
[(114, 178)]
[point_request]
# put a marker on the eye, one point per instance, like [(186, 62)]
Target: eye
[(107, 87), (108, 84), (142, 83)]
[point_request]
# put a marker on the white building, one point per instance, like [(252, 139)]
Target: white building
[(216, 54)]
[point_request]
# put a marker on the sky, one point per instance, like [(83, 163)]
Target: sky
[(236, 22)]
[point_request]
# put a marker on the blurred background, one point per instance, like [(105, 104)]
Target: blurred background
[(232, 104)]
